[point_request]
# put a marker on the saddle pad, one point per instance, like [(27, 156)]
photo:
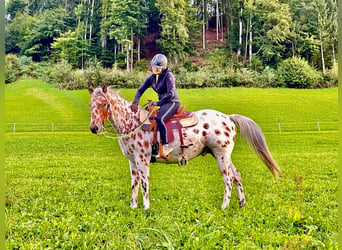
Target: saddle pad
[(190, 119)]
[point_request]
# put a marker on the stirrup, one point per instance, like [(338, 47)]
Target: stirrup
[(162, 154)]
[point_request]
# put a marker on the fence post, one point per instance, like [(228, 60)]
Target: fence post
[(319, 129), (279, 127), (14, 128)]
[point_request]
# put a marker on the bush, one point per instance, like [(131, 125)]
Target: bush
[(92, 72), (245, 77), (295, 72), (331, 76), (60, 74), (142, 65), (268, 78), (12, 68)]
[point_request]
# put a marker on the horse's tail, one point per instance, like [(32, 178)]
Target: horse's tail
[(256, 138)]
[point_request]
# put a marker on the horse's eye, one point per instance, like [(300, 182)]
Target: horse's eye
[(104, 105)]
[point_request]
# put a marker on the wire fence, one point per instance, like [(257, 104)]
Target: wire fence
[(83, 127)]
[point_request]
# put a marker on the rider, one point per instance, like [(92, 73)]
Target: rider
[(162, 81)]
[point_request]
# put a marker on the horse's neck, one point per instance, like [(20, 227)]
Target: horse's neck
[(122, 118)]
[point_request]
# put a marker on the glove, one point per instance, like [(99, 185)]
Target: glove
[(134, 107)]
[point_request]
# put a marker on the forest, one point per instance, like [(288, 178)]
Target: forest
[(273, 43)]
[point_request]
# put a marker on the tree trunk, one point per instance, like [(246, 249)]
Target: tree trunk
[(221, 21), (250, 40), (139, 44), (246, 41), (334, 56), (91, 21), (115, 49), (322, 53), (132, 48), (127, 57), (240, 33), (217, 20), (203, 28)]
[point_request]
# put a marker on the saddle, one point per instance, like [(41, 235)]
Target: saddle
[(181, 119)]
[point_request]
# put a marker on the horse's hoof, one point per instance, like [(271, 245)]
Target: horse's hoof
[(134, 205), (242, 203)]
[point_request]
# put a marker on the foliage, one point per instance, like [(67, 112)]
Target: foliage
[(268, 78), (12, 68), (72, 189), (121, 32), (297, 73), (142, 65), (331, 77)]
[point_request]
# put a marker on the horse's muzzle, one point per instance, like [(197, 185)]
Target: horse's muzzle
[(94, 129)]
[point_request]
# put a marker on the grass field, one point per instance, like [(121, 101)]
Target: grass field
[(71, 190)]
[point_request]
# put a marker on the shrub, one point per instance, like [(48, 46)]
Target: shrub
[(268, 78), (245, 77), (142, 65), (295, 72), (331, 76), (92, 72), (12, 68), (60, 74), (190, 66)]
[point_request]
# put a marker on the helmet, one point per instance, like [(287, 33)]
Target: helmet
[(159, 61)]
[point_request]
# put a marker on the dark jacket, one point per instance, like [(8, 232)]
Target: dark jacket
[(165, 87)]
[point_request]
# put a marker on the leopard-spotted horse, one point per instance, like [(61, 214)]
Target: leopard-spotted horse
[(214, 133)]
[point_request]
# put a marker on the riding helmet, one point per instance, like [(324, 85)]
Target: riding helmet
[(159, 61)]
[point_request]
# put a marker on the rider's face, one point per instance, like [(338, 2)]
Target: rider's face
[(156, 71)]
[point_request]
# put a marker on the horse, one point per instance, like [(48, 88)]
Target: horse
[(215, 133)]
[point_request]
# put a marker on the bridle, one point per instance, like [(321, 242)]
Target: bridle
[(131, 132)]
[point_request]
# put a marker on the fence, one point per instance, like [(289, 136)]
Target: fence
[(46, 127), (83, 127)]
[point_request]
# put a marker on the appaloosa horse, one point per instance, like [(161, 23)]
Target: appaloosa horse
[(214, 133)]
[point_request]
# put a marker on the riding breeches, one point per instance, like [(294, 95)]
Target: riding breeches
[(165, 112)]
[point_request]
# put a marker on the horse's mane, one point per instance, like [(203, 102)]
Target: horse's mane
[(115, 94)]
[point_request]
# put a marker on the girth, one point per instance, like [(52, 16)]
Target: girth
[(181, 119)]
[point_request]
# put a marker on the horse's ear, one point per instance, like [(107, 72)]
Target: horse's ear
[(90, 88), (104, 88)]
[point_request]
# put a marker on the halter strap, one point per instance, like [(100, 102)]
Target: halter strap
[(133, 131)]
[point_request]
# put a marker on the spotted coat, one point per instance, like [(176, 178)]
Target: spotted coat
[(215, 133)]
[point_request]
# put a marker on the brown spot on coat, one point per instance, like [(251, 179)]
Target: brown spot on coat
[(204, 133), (146, 144), (196, 131), (217, 132), (206, 125), (226, 134)]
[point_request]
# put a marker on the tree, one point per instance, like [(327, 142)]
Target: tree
[(175, 25)]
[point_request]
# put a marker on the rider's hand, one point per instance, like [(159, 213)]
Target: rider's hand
[(134, 107)]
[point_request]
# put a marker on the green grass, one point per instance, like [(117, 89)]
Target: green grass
[(72, 189)]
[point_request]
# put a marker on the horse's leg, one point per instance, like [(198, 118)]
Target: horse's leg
[(238, 184), (144, 174), (227, 174), (135, 184)]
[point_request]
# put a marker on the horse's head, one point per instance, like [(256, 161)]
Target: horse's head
[(99, 107)]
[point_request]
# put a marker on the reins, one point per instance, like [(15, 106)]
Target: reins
[(133, 131)]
